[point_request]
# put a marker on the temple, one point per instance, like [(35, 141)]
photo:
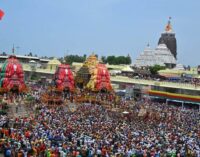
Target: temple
[(146, 58), (161, 55), (168, 37), (164, 54)]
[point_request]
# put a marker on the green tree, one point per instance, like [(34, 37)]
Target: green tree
[(61, 59), (117, 60), (111, 60), (104, 59), (69, 59), (30, 54), (85, 56), (4, 54), (154, 69), (51, 58), (128, 60)]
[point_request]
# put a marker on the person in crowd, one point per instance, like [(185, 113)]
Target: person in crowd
[(148, 129)]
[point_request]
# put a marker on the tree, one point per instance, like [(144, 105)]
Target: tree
[(188, 68), (118, 60), (4, 54), (154, 69), (111, 59), (61, 59), (85, 56), (51, 58), (104, 59), (30, 54), (69, 59), (128, 59)]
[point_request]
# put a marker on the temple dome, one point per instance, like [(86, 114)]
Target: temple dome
[(161, 55), (146, 58)]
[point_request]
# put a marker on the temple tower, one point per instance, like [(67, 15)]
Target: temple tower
[(168, 37)]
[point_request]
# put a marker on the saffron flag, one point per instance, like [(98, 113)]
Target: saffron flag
[(1, 14)]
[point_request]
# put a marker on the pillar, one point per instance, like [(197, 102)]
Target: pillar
[(182, 105), (199, 107)]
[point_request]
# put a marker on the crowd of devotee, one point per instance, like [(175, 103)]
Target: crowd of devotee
[(133, 129)]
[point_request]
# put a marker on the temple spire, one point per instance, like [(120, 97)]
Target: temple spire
[(168, 27)]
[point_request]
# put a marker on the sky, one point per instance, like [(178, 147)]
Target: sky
[(105, 27)]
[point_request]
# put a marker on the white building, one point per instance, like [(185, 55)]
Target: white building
[(161, 55), (146, 58)]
